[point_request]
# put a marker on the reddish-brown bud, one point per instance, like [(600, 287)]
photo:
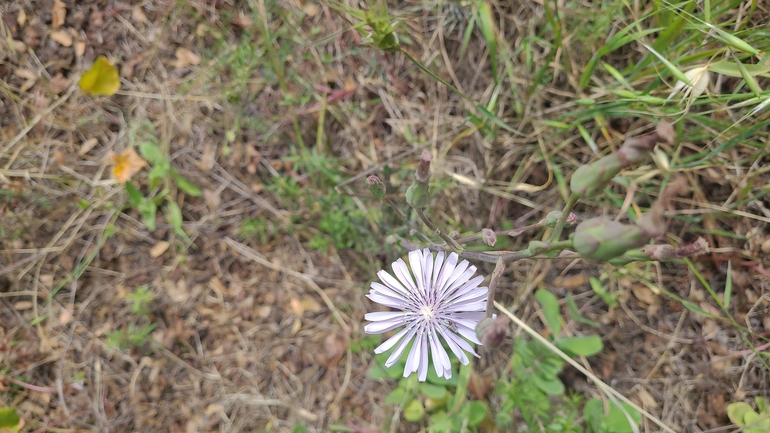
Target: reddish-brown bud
[(492, 331)]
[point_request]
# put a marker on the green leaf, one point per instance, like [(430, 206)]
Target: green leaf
[(617, 420), (151, 152), (414, 411), (477, 413), (551, 385), (670, 66), (432, 391), (551, 312), (586, 345), (174, 215), (574, 313), (148, 209), (134, 195), (184, 184), (396, 396), (733, 70), (599, 289), (739, 411), (9, 418), (728, 283)]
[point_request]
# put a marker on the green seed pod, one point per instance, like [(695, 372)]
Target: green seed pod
[(600, 240)]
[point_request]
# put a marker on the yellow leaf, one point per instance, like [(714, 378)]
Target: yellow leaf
[(127, 164), (101, 79)]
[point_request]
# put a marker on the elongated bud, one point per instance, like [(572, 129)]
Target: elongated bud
[(423, 170), (588, 180), (653, 223), (667, 252), (601, 240), (376, 186), (492, 331), (489, 237), (418, 194)]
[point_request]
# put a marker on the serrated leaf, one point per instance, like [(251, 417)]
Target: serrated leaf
[(586, 345), (551, 311), (414, 411), (101, 79)]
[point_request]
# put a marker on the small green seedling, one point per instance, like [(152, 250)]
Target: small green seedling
[(742, 414)]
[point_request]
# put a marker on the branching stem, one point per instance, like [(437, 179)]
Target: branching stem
[(451, 242), (573, 199)]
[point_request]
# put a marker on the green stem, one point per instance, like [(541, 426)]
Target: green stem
[(453, 243), (496, 274), (506, 256), (573, 199), (406, 219)]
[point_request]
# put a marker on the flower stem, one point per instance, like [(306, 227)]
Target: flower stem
[(496, 274), (451, 242), (573, 199), (406, 219), (512, 232)]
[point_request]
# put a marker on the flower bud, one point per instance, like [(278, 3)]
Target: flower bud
[(489, 237), (376, 186), (418, 194), (552, 219), (491, 332), (601, 240), (423, 170), (588, 180), (667, 252)]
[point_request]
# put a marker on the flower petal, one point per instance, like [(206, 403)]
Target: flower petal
[(422, 372), (440, 358), (388, 301), (383, 326), (447, 269), (452, 342), (403, 275), (413, 359), (393, 284), (437, 268), (415, 261), (396, 355), (390, 342)]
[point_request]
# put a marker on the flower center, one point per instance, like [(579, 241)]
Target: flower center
[(427, 312)]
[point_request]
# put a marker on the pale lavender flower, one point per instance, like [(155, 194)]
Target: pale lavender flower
[(437, 299)]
